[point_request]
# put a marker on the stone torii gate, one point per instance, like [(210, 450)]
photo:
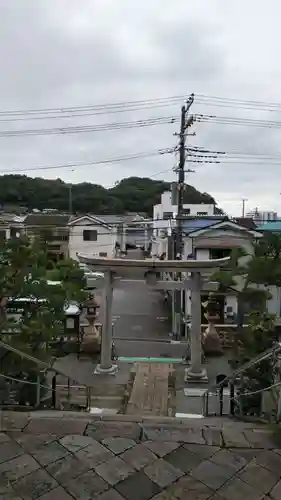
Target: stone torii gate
[(121, 268)]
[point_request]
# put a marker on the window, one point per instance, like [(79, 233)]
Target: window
[(167, 215), (15, 232), (60, 237), (90, 235), (186, 211), (219, 253), (202, 213), (103, 254)]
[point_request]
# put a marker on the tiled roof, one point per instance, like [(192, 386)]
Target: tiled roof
[(191, 225), (270, 226), (115, 219), (246, 222), (110, 219), (46, 220)]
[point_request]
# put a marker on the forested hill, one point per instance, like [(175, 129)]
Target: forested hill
[(134, 194)]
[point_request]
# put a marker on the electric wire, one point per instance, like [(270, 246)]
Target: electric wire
[(149, 122), (153, 102), (133, 156), (126, 105), (193, 152), (228, 120)]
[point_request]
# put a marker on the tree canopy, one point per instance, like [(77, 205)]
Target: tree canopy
[(24, 274), (134, 194)]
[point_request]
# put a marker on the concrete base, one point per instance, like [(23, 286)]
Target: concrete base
[(106, 371), (195, 378)]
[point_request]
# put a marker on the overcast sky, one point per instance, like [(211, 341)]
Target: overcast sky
[(65, 53)]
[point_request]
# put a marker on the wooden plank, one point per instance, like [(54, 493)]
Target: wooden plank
[(150, 393)]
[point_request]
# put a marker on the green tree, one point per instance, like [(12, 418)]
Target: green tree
[(134, 194), (23, 273), (244, 273), (257, 337)]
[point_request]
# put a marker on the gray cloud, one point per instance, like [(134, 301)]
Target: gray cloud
[(64, 53)]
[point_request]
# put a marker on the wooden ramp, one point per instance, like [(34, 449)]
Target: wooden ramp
[(150, 392)]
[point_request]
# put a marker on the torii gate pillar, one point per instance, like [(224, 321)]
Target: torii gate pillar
[(196, 372), (106, 367)]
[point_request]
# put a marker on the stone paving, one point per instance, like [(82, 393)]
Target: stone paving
[(64, 456)]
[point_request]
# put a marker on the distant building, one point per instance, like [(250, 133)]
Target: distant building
[(260, 217), (52, 227)]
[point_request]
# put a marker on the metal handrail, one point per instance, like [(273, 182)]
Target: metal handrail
[(47, 367), (39, 385), (229, 380), (37, 361), (253, 362)]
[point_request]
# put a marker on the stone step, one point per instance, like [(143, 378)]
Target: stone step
[(78, 396), (96, 391), (223, 432)]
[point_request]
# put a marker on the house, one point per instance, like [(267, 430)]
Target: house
[(92, 235), (247, 222), (53, 228), (132, 229), (11, 225), (164, 215), (4, 230), (215, 239)]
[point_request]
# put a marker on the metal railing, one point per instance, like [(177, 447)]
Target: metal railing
[(48, 390), (231, 391)]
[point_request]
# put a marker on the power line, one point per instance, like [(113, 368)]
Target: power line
[(193, 152), (162, 120), (237, 101), (126, 105), (227, 120), (133, 156), (145, 104), (148, 122), (88, 113)]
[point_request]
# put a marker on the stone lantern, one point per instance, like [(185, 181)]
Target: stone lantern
[(211, 341), (72, 319), (90, 307), (91, 335)]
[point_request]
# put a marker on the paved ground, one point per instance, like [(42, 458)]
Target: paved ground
[(138, 314), (70, 457)]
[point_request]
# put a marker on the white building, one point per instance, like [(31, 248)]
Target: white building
[(90, 235), (164, 218), (167, 209), (260, 216)]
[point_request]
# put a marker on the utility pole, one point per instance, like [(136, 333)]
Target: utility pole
[(184, 124), (243, 206), (70, 199)]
